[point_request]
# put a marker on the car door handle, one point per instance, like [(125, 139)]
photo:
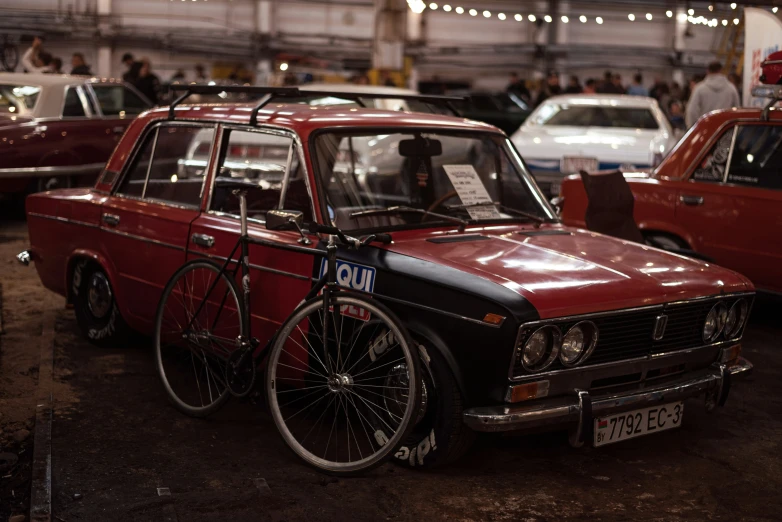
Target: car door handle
[(110, 219), (691, 200), (203, 240)]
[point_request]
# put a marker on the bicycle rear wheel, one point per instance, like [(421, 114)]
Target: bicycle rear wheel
[(199, 319), (344, 400)]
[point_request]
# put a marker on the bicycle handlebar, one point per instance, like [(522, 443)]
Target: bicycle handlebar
[(348, 240)]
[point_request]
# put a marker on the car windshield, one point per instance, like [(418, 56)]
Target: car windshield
[(18, 99), (580, 115), (392, 179)]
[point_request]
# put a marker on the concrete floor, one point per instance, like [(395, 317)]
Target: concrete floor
[(116, 440)]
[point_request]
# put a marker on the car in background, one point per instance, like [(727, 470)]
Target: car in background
[(522, 323), (718, 193), (504, 110), (570, 133), (59, 130)]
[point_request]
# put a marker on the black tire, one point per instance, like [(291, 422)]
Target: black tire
[(97, 314), (440, 436), (665, 241), (178, 387), (382, 446)]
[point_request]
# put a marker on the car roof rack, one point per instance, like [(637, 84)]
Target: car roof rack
[(269, 94), (773, 92)]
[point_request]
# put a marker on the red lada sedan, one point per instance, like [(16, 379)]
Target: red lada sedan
[(718, 193)]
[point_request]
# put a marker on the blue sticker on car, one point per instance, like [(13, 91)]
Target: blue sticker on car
[(355, 277)]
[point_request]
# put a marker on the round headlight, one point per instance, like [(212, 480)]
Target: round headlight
[(541, 348), (715, 322), (578, 343), (735, 318)]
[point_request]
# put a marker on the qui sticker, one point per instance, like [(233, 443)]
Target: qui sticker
[(355, 277)]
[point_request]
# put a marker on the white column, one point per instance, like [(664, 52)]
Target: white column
[(680, 42), (104, 65), (391, 27), (264, 21)]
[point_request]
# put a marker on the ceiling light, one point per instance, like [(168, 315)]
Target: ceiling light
[(459, 10), (583, 19), (690, 12), (733, 5), (599, 20), (531, 18), (283, 66), (631, 16), (447, 8), (565, 19), (548, 19), (433, 6), (682, 17), (735, 21), (724, 22), (774, 9), (416, 6), (518, 17), (487, 14), (501, 16), (473, 12), (711, 8), (648, 16), (669, 14)]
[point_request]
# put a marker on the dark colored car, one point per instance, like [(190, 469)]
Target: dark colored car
[(59, 130), (521, 322), (504, 110)]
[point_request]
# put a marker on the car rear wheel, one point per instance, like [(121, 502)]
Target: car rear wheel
[(439, 436), (95, 305), (665, 241)]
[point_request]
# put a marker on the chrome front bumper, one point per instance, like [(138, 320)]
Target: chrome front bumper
[(24, 257), (578, 411)]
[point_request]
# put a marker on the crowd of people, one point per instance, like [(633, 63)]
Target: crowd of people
[(682, 105)]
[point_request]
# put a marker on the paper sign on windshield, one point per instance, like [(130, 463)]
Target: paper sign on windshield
[(470, 189)]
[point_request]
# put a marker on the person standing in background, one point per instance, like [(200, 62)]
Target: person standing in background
[(549, 88), (713, 93), (200, 74), (129, 63), (573, 86), (518, 87), (637, 88), (32, 61), (79, 67), (56, 66), (589, 86), (146, 82)]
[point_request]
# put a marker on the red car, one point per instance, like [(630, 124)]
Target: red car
[(522, 322), (718, 193), (57, 129)]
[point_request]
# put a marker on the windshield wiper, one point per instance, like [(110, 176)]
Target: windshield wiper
[(534, 217), (409, 210)]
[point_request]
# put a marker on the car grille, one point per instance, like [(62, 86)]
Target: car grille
[(628, 334)]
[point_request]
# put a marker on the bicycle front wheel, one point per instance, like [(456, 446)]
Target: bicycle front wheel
[(198, 322), (343, 383)]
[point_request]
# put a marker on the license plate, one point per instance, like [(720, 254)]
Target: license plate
[(571, 164), (631, 424)]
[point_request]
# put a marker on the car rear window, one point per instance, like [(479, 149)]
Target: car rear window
[(595, 116), (17, 99)]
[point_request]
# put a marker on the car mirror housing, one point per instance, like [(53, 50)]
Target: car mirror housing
[(284, 219)]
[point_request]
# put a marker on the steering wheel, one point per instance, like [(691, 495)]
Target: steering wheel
[(442, 199)]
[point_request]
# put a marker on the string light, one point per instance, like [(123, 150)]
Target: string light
[(433, 6), (583, 19), (682, 17), (416, 6), (518, 17), (669, 14), (565, 19), (473, 12), (690, 12), (459, 10), (599, 20), (531, 18), (649, 16), (733, 5), (774, 9), (724, 23), (631, 16), (283, 66), (487, 14), (548, 19), (447, 8), (735, 21), (711, 8), (501, 16)]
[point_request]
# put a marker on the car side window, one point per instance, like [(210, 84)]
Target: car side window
[(757, 157), (260, 160), (171, 165), (711, 169), (72, 107), (118, 100)]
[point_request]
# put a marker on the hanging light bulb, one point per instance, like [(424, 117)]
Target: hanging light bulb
[(733, 5), (565, 19), (416, 6), (583, 19), (501, 16), (548, 19), (711, 8), (724, 23), (473, 12), (447, 8), (669, 14), (690, 12), (433, 6), (518, 17), (599, 20), (735, 21), (774, 9), (531, 18), (487, 14), (649, 16), (631, 16), (459, 10)]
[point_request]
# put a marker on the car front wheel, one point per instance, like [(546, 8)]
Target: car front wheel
[(439, 436), (95, 305)]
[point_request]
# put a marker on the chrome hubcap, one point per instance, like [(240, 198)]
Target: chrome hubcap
[(340, 383), (99, 296)]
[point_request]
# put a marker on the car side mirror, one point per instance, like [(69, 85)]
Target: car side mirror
[(287, 220)]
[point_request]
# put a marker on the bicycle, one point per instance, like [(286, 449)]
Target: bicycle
[(343, 388)]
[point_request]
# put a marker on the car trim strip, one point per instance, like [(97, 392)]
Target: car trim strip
[(257, 267), (64, 220), (615, 312), (143, 239), (25, 172)]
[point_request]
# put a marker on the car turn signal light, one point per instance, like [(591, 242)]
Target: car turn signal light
[(525, 392), (493, 319)]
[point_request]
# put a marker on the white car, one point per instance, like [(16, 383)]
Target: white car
[(567, 134)]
